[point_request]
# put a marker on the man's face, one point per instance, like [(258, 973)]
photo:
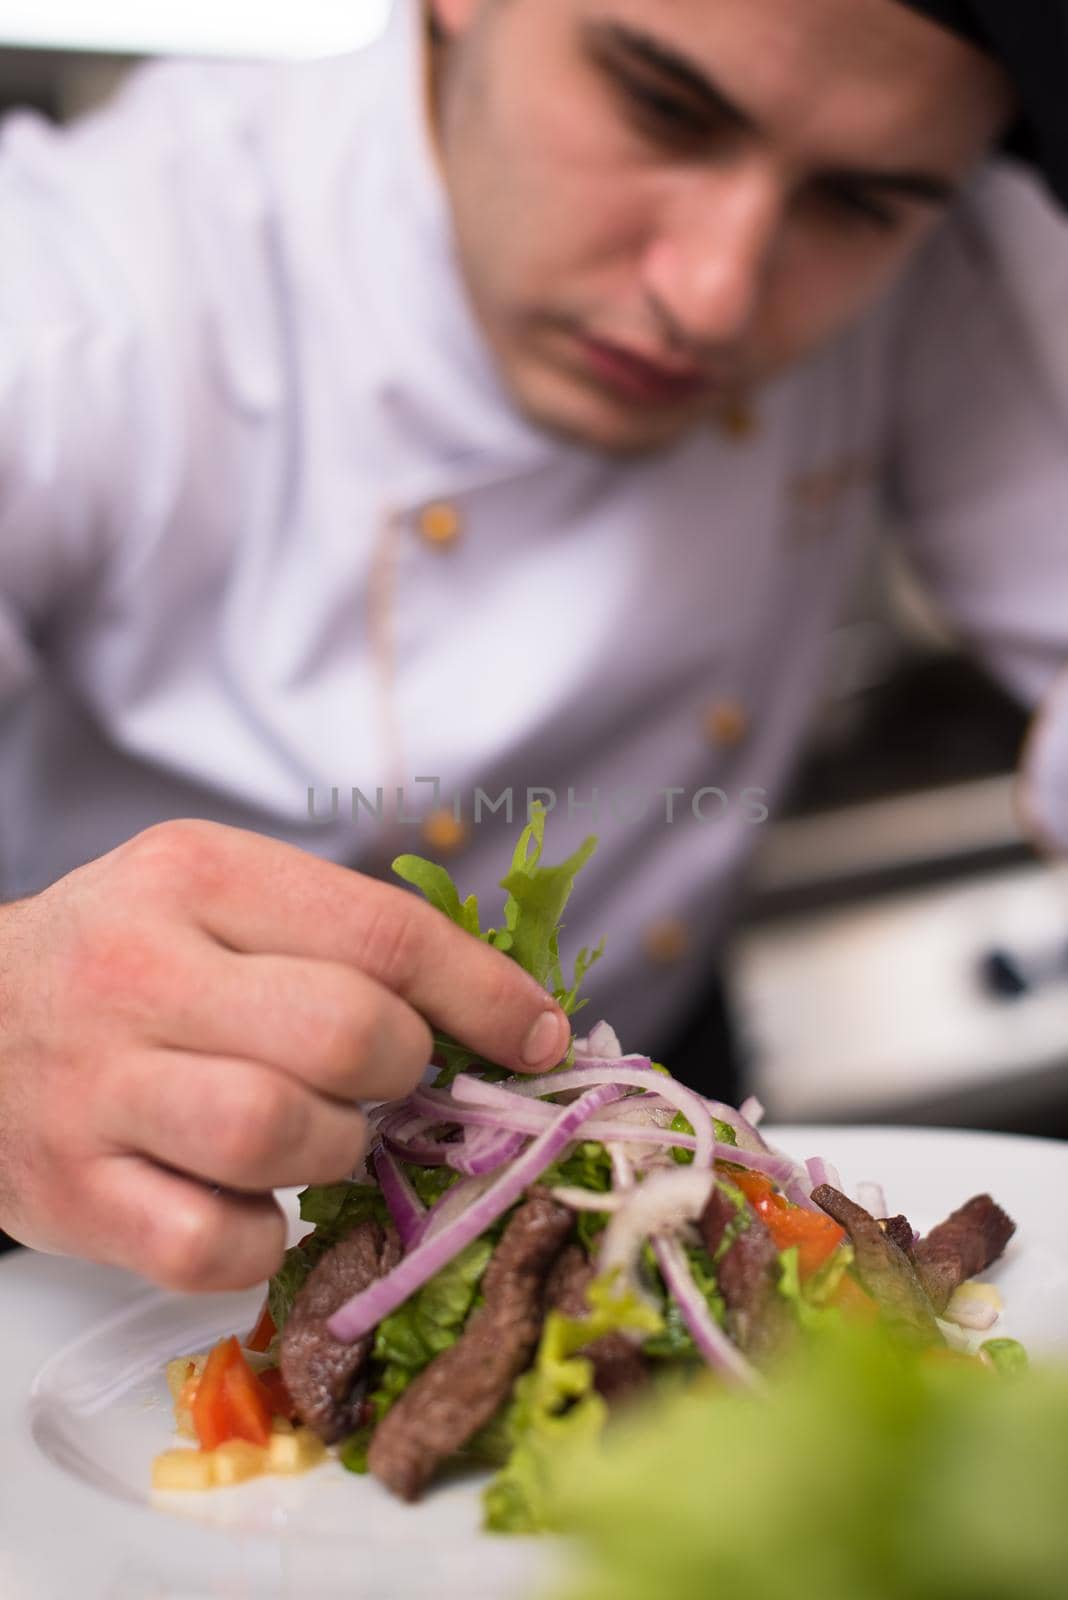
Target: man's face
[(661, 203)]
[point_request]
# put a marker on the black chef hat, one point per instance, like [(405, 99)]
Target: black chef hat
[(1030, 39)]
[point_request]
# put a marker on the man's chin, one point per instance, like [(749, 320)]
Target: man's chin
[(582, 414)]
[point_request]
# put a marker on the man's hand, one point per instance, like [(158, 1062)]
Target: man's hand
[(203, 1010)]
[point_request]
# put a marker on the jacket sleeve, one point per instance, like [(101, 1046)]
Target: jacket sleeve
[(979, 455), (118, 268)]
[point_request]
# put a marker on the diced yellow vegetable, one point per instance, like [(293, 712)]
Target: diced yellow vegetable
[(290, 1453), (281, 1425), (975, 1306), (183, 1469), (983, 1293), (237, 1461), (182, 1376), (177, 1374)]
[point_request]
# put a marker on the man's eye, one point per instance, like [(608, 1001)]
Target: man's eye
[(858, 206), (668, 117)]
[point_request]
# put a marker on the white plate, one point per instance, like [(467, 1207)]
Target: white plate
[(84, 1408)]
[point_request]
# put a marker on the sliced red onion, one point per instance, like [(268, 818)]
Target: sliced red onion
[(751, 1111), (467, 1089), (491, 1104), (872, 1197), (485, 1150), (366, 1309), (622, 1171), (668, 1094), (660, 1204), (586, 1199), (721, 1355), (405, 1207), (821, 1172), (576, 1076), (744, 1131), (603, 1129), (602, 1044), (423, 1152), (799, 1190), (514, 1115), (780, 1169), (412, 1136), (452, 1204), (624, 1074)]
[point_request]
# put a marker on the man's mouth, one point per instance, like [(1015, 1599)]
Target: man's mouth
[(643, 378)]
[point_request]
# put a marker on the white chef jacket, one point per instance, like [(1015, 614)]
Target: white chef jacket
[(270, 526)]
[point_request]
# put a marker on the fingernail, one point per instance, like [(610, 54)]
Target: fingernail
[(546, 1043)]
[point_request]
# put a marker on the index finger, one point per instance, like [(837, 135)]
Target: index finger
[(260, 896)]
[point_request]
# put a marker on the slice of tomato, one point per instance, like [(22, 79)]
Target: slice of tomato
[(263, 1332), (247, 1403), (229, 1402), (210, 1410), (815, 1235), (816, 1238)]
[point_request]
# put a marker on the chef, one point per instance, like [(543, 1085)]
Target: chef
[(497, 415)]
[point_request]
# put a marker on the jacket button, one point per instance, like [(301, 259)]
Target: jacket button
[(666, 941), (440, 524), (738, 420), (443, 834), (725, 724)]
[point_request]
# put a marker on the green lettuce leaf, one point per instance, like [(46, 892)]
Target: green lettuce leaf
[(536, 899), (680, 1123), (569, 998), (430, 1183), (674, 1343), (436, 885), (555, 1406), (589, 1166), (337, 1208), (432, 1320), (810, 1300), (537, 896), (868, 1473)]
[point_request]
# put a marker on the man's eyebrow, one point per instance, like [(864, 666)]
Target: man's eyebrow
[(614, 39), (927, 187), (606, 40)]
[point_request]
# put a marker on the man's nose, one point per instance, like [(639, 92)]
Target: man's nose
[(708, 264)]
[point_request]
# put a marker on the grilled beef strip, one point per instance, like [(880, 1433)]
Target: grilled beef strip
[(758, 1318), (966, 1243), (464, 1387), (321, 1373), (884, 1269), (619, 1368), (900, 1230)]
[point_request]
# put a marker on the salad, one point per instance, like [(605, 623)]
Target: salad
[(876, 1474), (522, 1258)]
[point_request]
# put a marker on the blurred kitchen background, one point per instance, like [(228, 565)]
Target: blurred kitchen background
[(904, 953)]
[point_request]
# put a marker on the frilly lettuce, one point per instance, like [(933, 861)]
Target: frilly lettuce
[(555, 1406), (536, 899), (869, 1473)]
